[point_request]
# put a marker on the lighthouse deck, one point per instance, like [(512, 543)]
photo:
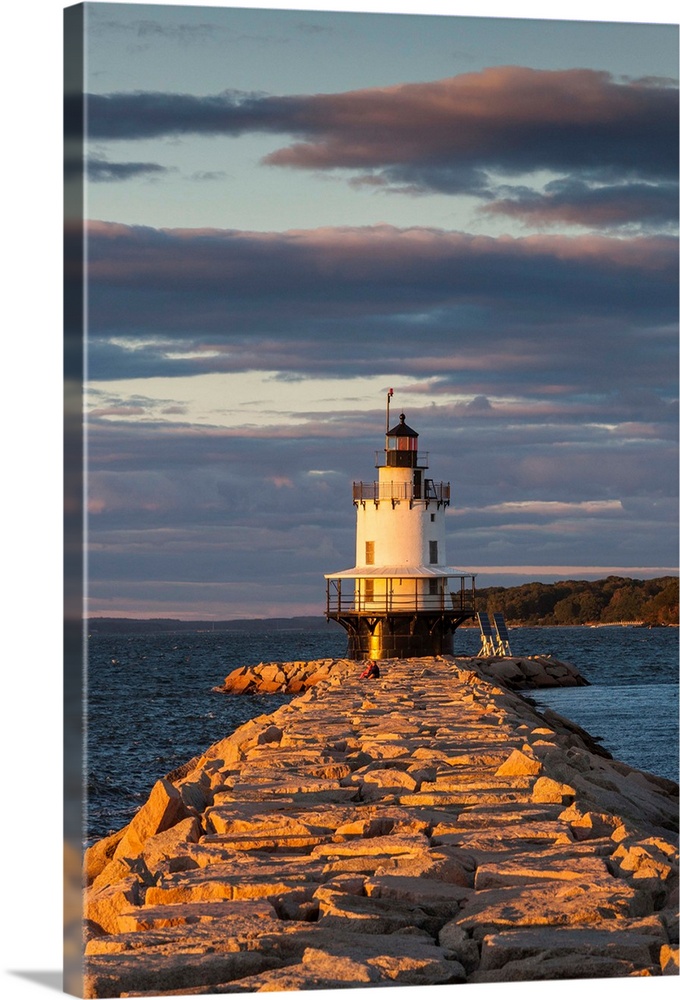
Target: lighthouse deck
[(393, 601)]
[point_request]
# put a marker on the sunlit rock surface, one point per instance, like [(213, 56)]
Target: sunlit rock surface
[(428, 827)]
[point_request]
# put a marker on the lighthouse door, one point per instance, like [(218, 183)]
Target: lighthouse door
[(417, 484)]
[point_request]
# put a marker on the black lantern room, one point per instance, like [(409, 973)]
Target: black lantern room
[(401, 446)]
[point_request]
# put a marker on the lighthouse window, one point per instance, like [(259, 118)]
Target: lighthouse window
[(370, 553), (432, 517), (368, 589), (434, 586), (401, 444), (433, 552)]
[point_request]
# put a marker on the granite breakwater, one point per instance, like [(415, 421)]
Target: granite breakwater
[(427, 827)]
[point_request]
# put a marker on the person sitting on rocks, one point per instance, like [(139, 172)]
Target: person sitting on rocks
[(371, 670)]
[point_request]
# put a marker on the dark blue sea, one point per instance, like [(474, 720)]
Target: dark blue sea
[(151, 707)]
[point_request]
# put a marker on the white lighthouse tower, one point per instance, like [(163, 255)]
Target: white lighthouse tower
[(401, 598)]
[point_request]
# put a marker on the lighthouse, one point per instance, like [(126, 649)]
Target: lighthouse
[(401, 598)]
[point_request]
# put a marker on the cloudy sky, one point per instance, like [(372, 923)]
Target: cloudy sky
[(292, 211)]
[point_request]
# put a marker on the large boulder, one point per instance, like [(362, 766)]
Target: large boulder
[(169, 849), (103, 907), (100, 854), (162, 809), (517, 764)]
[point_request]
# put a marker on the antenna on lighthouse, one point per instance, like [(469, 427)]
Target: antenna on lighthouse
[(390, 393)]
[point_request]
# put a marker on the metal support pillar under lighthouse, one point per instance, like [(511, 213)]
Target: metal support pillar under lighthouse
[(401, 598)]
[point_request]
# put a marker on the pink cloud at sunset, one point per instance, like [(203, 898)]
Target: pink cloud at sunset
[(608, 143), (491, 114)]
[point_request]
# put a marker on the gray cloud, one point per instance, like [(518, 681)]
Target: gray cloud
[(568, 202), (99, 170), (452, 136), (374, 268), (587, 314)]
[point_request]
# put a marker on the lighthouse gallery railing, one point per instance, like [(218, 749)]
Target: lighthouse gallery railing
[(355, 601), (428, 490)]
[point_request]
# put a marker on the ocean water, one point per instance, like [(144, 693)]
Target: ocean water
[(151, 707)]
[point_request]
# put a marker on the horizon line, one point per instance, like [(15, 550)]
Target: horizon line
[(652, 573)]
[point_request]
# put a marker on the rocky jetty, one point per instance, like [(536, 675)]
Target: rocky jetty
[(428, 827), (516, 672)]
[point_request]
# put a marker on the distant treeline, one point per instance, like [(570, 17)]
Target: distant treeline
[(585, 602)]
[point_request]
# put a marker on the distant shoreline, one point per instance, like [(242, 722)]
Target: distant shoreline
[(113, 626), (615, 601)]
